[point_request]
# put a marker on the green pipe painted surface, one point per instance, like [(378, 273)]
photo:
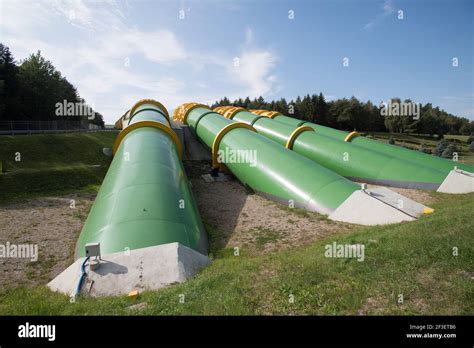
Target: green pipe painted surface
[(140, 202), (344, 158), (421, 158), (277, 172)]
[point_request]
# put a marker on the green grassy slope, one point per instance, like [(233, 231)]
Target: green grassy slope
[(413, 259), (52, 163), (414, 142)]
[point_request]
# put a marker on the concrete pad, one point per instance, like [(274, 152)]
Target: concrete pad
[(364, 209), (399, 201), (457, 181), (140, 269)]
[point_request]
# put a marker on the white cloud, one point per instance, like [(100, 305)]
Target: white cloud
[(253, 72), (387, 9), (102, 15), (104, 40), (249, 38), (22, 16)]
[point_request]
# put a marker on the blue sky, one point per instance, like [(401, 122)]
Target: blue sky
[(116, 52)]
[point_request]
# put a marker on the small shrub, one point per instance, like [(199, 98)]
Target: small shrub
[(423, 148), (448, 152), (442, 145)]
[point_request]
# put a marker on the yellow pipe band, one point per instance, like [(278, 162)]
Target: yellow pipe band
[(294, 135), (231, 112), (221, 109), (181, 113), (220, 135), (351, 136), (267, 113), (152, 102), (271, 114), (154, 124)]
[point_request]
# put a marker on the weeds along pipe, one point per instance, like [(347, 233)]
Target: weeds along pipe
[(281, 174), (374, 145), (145, 199), (344, 158)]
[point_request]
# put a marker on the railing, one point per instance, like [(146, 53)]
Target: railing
[(55, 126)]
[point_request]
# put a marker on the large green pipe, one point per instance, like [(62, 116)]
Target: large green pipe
[(421, 158), (354, 162), (278, 173), (145, 199)]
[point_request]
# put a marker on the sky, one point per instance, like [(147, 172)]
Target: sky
[(118, 52)]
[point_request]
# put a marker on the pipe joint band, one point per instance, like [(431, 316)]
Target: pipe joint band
[(267, 113), (152, 102), (200, 118), (294, 135), (181, 113), (153, 124), (256, 119), (222, 109), (231, 112), (149, 109), (351, 136), (220, 135)]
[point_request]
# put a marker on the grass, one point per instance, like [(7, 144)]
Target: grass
[(265, 236), (52, 163), (414, 259), (414, 142)]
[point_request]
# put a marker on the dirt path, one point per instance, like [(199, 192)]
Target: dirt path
[(53, 225), (235, 218)]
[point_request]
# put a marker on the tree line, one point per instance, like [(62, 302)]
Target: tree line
[(33, 90), (352, 114)]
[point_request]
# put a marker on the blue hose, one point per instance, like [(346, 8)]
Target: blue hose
[(81, 279)]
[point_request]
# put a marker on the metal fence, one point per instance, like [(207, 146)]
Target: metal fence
[(55, 126)]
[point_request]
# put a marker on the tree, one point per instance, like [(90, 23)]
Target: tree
[(471, 147), (41, 87), (352, 114), (306, 109), (282, 106), (9, 101)]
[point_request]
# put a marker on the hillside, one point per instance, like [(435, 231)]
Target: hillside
[(270, 276), (52, 163)]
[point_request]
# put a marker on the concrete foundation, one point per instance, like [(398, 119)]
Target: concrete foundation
[(364, 209), (396, 200), (140, 269), (457, 181)]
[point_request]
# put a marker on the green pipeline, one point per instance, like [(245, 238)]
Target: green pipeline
[(145, 199), (354, 162), (277, 173), (418, 157)]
